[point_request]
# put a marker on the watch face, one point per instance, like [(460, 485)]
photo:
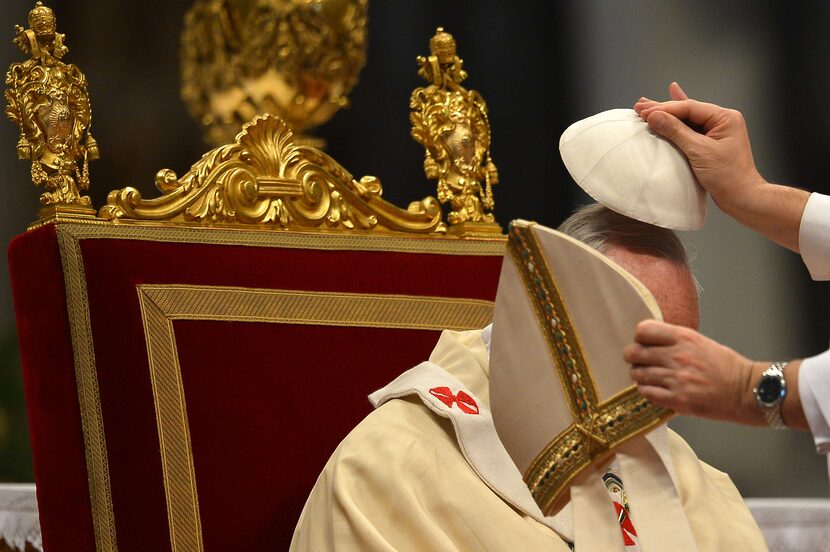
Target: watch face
[(769, 390)]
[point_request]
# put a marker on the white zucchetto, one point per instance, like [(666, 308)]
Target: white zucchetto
[(625, 166)]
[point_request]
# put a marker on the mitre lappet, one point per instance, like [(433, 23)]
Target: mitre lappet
[(621, 163), (562, 401)]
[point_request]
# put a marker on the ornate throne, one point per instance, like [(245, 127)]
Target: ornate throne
[(191, 360)]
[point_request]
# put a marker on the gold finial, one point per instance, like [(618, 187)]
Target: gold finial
[(49, 101), (442, 46), (451, 123), (42, 20), (297, 59)]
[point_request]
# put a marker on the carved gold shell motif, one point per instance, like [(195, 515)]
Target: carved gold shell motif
[(264, 178)]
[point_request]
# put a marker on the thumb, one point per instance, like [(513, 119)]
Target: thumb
[(671, 128)]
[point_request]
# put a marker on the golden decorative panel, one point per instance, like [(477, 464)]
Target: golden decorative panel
[(284, 66)]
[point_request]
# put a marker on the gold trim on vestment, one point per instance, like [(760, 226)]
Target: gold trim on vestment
[(564, 346), (86, 377), (599, 426)]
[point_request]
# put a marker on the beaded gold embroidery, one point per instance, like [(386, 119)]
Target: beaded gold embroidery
[(599, 426)]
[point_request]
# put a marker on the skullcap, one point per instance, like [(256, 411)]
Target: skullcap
[(625, 166)]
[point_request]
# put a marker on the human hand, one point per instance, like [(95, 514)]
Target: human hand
[(720, 154), (678, 368)]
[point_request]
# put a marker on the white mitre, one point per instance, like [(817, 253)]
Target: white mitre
[(561, 397), (625, 166)]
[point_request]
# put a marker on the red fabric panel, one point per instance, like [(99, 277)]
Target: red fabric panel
[(51, 391), (263, 425), (134, 262), (255, 462), (115, 267)]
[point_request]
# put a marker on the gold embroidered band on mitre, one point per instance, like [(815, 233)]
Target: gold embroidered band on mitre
[(598, 426)]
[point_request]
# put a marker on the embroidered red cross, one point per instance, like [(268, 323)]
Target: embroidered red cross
[(464, 401)]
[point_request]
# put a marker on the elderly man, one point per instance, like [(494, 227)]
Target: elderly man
[(406, 479)]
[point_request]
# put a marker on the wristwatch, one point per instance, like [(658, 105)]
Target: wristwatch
[(770, 392)]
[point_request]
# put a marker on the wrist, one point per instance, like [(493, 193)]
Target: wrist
[(772, 210), (743, 198), (749, 412), (770, 393)]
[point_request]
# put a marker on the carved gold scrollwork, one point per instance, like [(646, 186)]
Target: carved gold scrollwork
[(264, 178)]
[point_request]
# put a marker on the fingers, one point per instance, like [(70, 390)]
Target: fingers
[(672, 128), (655, 376), (676, 92), (654, 332), (659, 396), (639, 355), (644, 103), (692, 111)]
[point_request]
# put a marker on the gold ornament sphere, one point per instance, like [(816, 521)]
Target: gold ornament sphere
[(297, 59)]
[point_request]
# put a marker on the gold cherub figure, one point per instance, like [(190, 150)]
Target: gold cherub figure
[(451, 123), (48, 99)]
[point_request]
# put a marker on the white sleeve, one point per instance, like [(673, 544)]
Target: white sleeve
[(814, 391), (814, 236)]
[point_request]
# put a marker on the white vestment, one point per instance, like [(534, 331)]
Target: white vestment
[(400, 481)]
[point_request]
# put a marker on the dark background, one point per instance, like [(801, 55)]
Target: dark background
[(539, 70)]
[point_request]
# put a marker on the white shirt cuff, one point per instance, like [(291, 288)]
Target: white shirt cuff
[(814, 236), (814, 392)]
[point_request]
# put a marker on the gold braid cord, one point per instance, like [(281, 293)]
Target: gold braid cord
[(264, 178)]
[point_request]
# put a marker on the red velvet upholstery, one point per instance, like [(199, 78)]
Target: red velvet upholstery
[(266, 402)]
